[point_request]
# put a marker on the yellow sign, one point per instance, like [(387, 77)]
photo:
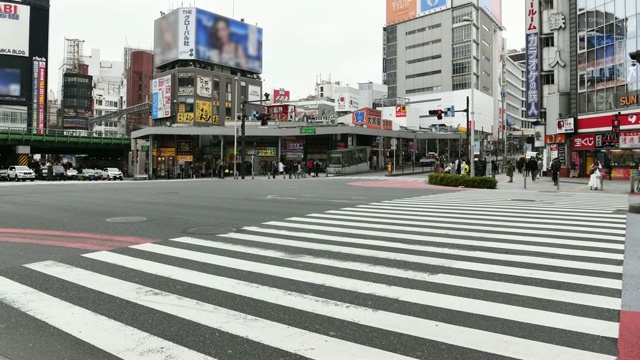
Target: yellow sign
[(185, 117), (266, 151), (203, 112), (182, 107), (184, 157), (216, 119), (227, 104), (167, 151)]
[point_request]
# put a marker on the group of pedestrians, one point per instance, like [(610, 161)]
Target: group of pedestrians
[(296, 169), (533, 167), (461, 167)]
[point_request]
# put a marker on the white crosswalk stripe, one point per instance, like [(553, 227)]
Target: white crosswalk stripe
[(475, 274)]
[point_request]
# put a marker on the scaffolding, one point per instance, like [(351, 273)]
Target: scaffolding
[(73, 50)]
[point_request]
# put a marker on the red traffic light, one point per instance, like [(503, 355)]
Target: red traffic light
[(615, 123), (439, 112)]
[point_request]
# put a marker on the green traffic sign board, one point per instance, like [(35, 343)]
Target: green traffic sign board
[(307, 131), (145, 148)]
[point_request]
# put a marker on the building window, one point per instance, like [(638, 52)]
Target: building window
[(425, 90), (185, 80), (420, 30), (392, 34), (426, 43), (461, 82), (486, 74), (461, 67), (392, 50), (486, 43), (459, 14), (462, 50), (228, 92), (424, 74), (485, 28), (486, 58), (461, 33), (423, 59), (216, 89)]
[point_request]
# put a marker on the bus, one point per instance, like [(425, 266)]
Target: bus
[(348, 161)]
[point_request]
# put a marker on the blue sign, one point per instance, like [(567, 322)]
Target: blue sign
[(359, 117), (515, 140), (450, 111), (154, 105), (254, 115), (533, 76), (432, 5)]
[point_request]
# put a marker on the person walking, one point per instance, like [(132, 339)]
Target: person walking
[(539, 167), (509, 170), (596, 175), (555, 171), (494, 168), (532, 168)]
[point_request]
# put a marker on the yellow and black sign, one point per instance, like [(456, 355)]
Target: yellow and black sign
[(23, 159), (203, 112), (227, 104), (185, 117), (266, 151), (216, 119), (182, 107)]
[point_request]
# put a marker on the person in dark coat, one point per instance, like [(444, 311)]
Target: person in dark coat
[(532, 168)]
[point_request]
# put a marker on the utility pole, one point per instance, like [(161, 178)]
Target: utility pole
[(242, 130)]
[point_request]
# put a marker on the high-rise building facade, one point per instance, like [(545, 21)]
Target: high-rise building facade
[(138, 74), (606, 86)]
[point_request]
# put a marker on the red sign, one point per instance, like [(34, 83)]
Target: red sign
[(41, 96), (281, 96), (584, 142), (401, 111), (9, 9), (628, 121), (281, 112)]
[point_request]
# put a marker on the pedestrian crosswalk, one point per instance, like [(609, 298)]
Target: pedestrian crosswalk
[(470, 275)]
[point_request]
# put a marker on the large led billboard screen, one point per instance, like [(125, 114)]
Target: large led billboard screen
[(10, 82), (14, 29), (194, 34)]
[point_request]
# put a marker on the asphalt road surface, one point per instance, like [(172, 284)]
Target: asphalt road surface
[(327, 268)]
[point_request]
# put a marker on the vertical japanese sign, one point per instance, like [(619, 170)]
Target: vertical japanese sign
[(532, 21), (42, 70), (34, 96), (187, 35)]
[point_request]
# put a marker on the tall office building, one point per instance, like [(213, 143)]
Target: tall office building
[(438, 48)]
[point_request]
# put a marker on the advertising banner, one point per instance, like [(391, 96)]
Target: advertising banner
[(539, 136), (371, 119), (630, 140), (584, 142), (281, 95), (565, 126), (347, 102), (556, 139), (532, 21), (628, 121), (187, 33), (185, 118), (42, 76), (228, 42), (203, 86), (430, 6), (607, 141), (14, 29), (165, 44), (161, 97), (34, 95), (254, 93), (401, 10), (280, 112), (203, 111)]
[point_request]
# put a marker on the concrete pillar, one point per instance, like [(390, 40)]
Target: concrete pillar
[(151, 170)]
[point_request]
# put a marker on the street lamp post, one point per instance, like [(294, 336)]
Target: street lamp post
[(235, 130), (471, 123)]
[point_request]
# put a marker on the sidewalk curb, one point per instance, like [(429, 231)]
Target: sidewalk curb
[(629, 334)]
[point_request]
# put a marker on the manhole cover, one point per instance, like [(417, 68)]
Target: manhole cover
[(127, 219), (211, 230)]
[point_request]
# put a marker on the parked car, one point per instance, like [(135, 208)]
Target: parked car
[(112, 174), (17, 173), (71, 174), (90, 174), (58, 173), (4, 175)]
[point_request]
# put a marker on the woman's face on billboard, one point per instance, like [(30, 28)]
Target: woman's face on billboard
[(223, 31)]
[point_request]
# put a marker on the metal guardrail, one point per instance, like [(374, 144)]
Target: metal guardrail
[(60, 136)]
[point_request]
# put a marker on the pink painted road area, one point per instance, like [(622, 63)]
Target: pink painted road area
[(403, 184), (85, 241)]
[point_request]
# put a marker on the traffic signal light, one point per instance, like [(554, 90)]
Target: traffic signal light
[(264, 119), (615, 125), (438, 113)]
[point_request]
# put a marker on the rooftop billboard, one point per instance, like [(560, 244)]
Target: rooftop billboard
[(14, 29), (195, 34)]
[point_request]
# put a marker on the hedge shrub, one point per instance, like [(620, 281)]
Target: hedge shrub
[(455, 180)]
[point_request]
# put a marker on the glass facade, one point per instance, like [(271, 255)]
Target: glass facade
[(608, 62)]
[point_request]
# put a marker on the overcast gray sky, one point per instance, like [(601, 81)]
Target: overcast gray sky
[(302, 38)]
